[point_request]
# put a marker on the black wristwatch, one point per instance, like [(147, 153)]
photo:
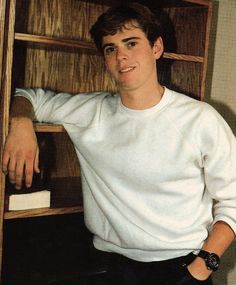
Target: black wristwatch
[(212, 260)]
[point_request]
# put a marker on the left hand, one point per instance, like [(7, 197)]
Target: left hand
[(195, 273), (198, 269)]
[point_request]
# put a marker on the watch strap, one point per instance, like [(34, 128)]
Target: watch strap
[(203, 254), (211, 259)]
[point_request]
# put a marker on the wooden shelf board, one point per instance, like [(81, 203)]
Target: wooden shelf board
[(91, 46), (54, 41), (48, 128), (41, 212), (183, 57), (200, 2)]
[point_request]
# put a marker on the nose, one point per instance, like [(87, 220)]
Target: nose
[(121, 53)]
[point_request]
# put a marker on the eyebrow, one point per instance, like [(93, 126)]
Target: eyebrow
[(124, 41)]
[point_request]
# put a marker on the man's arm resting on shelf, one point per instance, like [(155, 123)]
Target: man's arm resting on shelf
[(220, 238), (20, 155)]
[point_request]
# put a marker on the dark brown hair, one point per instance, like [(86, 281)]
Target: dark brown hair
[(115, 19)]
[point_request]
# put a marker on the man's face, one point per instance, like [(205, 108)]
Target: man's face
[(130, 59)]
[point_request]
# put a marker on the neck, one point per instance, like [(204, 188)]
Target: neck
[(142, 99)]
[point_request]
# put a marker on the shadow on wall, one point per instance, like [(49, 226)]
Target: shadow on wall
[(222, 108), (226, 274), (225, 111)]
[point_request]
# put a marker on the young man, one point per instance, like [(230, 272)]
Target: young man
[(152, 160)]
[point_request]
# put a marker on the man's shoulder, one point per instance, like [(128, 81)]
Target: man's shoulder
[(97, 95), (181, 100), (85, 99), (183, 109)]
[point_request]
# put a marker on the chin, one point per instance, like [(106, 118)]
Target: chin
[(127, 86)]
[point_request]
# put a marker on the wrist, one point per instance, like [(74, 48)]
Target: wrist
[(20, 119), (20, 122)]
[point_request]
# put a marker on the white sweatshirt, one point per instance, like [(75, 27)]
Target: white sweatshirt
[(149, 176)]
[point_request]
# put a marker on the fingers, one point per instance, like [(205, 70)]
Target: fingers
[(29, 172), (19, 168), (12, 170), (36, 161), (5, 161)]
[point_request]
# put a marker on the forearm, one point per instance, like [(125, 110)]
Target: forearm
[(21, 108), (220, 238), (218, 241)]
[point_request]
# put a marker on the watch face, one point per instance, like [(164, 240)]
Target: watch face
[(213, 261)]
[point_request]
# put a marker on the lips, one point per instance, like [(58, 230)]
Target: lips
[(126, 69)]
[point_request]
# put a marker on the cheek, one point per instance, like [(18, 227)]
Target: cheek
[(110, 65)]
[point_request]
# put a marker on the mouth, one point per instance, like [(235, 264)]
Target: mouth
[(127, 69)]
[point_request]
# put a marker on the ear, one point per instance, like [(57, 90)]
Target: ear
[(158, 48)]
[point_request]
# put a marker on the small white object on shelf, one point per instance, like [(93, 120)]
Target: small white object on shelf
[(34, 200)]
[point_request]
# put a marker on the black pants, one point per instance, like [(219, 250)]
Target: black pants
[(124, 271)]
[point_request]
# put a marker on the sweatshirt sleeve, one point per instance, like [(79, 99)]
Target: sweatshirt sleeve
[(63, 108), (218, 147)]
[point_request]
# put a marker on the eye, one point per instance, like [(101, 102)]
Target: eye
[(132, 44), (108, 50)]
